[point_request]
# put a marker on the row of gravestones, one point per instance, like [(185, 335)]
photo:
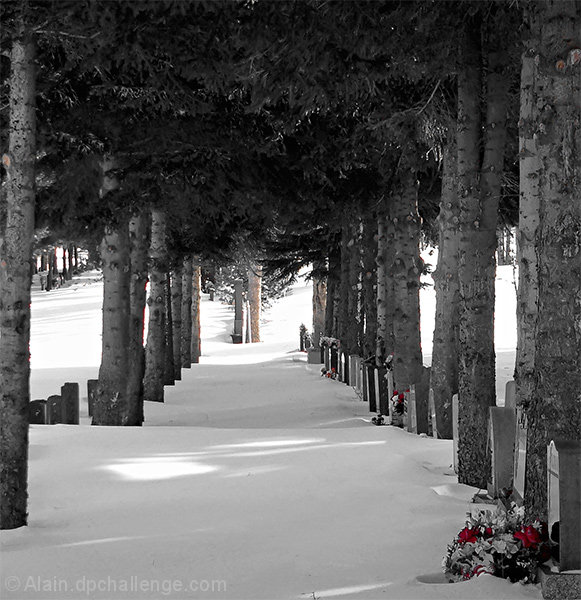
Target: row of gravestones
[(507, 443), (62, 409), (372, 384)]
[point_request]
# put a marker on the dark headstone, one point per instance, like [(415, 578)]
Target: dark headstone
[(56, 410), (371, 383), (383, 390), (70, 396), (91, 392), (237, 336), (510, 394), (501, 444), (37, 412), (314, 356), (364, 384), (564, 496), (433, 424), (334, 359)]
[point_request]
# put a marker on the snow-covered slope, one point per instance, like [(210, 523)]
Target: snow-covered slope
[(256, 478)]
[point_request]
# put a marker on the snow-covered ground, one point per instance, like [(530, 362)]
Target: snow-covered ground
[(256, 479)]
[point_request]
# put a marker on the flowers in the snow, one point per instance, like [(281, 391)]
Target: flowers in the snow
[(501, 544), (398, 402)]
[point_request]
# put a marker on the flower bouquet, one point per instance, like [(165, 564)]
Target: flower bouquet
[(398, 408), (502, 544)]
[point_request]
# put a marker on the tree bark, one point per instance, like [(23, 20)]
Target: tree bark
[(555, 408), (15, 283), (155, 348), (186, 335), (406, 269), (319, 303), (254, 299), (111, 399), (333, 279), (176, 312), (444, 372), (139, 227), (354, 322), (382, 276), (369, 282), (196, 306), (169, 365)]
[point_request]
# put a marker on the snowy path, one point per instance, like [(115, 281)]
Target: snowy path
[(255, 479)]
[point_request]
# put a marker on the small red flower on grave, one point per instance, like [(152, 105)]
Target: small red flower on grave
[(488, 531), (468, 535), (529, 537), (408, 390), (395, 392), (401, 397), (333, 370)]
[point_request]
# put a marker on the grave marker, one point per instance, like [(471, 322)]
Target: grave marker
[(510, 394), (520, 456), (37, 412), (334, 359), (91, 392), (238, 313), (455, 430), (412, 413), (314, 356), (433, 426), (56, 410), (70, 396), (371, 387), (388, 378), (326, 356), (564, 499), (501, 432)]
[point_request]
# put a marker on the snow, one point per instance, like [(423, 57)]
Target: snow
[(255, 479)]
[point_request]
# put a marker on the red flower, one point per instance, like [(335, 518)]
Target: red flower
[(395, 392), (468, 535), (408, 390), (401, 397), (488, 531), (529, 537)]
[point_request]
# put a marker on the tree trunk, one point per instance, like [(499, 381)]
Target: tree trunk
[(444, 372), (186, 336), (382, 277), (176, 312), (555, 408), (155, 348), (319, 303), (111, 400), (333, 279), (406, 269), (254, 299), (196, 347), (169, 365), (343, 307), (369, 282), (70, 254), (354, 323), (15, 282), (139, 227), (477, 247)]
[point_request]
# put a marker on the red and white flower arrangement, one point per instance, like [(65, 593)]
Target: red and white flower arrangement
[(503, 545)]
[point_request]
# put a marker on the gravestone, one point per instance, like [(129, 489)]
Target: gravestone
[(334, 358), (564, 500), (455, 431), (352, 362), (433, 425), (37, 412), (412, 414), (56, 410), (388, 378), (510, 394), (382, 390), (314, 356), (91, 392), (520, 456), (70, 396), (501, 432), (371, 387), (359, 375), (364, 384), (344, 367), (326, 356), (238, 313)]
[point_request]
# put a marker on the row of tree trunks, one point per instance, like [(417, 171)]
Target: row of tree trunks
[(15, 282), (382, 283), (186, 330), (176, 312), (168, 363), (369, 282), (319, 305), (333, 279), (550, 391)]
